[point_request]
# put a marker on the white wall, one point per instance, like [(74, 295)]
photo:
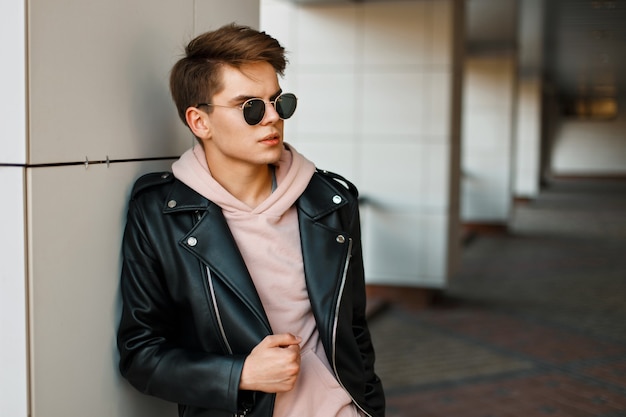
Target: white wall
[(13, 331), (375, 87), (528, 117), (76, 215), (13, 82), (584, 147), (95, 89), (527, 138), (487, 159)]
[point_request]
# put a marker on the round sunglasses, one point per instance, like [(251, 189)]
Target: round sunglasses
[(254, 109)]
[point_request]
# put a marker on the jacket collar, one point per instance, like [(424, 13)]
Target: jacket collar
[(318, 200), (183, 198)]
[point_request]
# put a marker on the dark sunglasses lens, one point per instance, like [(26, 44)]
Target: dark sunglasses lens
[(286, 105), (253, 111)]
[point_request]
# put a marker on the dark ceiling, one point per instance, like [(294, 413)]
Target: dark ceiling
[(586, 47), (583, 41)]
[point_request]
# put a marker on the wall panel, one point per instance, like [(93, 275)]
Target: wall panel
[(13, 82), (589, 147), (98, 88), (211, 14), (325, 38), (528, 137), (76, 221), (487, 152), (13, 321), (13, 327), (99, 78), (375, 82), (397, 35)]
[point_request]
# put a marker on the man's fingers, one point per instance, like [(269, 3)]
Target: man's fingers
[(282, 340), (273, 365)]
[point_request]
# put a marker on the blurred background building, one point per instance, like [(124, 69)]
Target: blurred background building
[(445, 113)]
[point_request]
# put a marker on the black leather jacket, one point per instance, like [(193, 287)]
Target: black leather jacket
[(191, 313)]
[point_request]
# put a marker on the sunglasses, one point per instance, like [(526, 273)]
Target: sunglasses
[(254, 109)]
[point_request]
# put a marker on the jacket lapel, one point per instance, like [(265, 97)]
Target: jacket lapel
[(325, 250), (211, 241)]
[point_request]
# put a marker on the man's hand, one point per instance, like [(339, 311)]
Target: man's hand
[(273, 365)]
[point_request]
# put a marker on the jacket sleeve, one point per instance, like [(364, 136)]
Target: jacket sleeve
[(374, 393), (152, 354)]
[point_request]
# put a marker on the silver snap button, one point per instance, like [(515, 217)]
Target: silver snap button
[(192, 241), (336, 199), (341, 239), (171, 203)]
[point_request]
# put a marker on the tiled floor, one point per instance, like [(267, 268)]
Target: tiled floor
[(533, 324)]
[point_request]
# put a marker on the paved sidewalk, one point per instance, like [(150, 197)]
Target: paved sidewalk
[(534, 323)]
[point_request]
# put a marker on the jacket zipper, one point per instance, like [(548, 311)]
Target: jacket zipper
[(218, 317), (336, 320), (198, 216)]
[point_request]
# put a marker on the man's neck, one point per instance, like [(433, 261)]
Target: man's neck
[(249, 184)]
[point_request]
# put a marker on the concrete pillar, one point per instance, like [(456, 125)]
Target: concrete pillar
[(380, 98), (85, 95), (528, 117)]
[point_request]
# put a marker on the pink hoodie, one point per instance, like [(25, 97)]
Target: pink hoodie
[(269, 241)]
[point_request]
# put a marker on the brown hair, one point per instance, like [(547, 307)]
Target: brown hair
[(196, 78)]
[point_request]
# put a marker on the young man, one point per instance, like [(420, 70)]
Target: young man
[(242, 280)]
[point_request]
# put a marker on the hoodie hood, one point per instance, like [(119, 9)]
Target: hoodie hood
[(293, 173)]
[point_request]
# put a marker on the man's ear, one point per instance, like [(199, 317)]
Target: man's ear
[(198, 122)]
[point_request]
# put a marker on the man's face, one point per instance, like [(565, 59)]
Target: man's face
[(230, 140)]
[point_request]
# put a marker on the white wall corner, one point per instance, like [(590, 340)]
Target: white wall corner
[(13, 326), (13, 82)]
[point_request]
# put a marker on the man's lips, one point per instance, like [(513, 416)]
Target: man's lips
[(271, 138)]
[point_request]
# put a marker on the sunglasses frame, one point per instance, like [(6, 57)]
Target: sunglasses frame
[(247, 104)]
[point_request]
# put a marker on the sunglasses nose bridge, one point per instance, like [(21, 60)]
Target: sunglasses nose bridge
[(270, 106)]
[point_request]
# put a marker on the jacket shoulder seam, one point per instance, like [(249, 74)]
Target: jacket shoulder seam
[(336, 179), (150, 180)]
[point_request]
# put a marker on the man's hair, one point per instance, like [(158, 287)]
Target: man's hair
[(196, 78)]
